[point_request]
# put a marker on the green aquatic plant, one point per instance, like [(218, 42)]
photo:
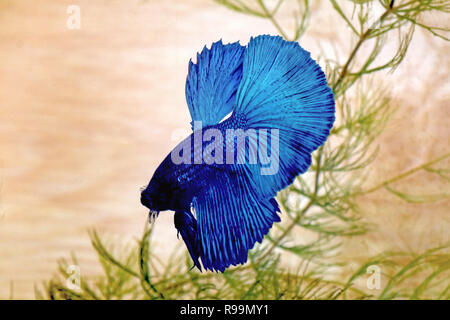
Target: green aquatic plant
[(136, 274), (322, 207)]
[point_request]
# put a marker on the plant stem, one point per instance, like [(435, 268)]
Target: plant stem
[(363, 37), (401, 176), (272, 19)]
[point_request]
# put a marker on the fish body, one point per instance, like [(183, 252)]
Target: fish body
[(222, 180), (174, 185)]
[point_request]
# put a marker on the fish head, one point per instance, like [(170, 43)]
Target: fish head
[(156, 197)]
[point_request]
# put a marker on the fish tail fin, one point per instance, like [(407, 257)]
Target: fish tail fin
[(283, 88), (186, 224)]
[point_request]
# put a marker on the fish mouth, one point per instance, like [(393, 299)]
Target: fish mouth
[(152, 215)]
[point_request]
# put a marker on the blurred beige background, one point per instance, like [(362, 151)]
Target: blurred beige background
[(87, 115)]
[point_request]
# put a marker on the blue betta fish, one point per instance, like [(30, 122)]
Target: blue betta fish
[(258, 112)]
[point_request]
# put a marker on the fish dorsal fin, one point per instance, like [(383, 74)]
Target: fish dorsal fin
[(212, 82)]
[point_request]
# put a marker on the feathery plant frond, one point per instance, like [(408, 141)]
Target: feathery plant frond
[(421, 276), (321, 207)]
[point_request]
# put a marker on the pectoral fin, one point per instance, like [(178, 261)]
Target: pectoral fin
[(187, 226)]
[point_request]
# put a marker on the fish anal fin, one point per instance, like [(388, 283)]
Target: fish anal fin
[(231, 219)]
